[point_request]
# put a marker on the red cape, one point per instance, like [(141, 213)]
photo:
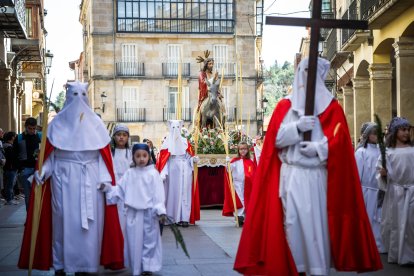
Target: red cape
[(249, 171), (263, 249), (112, 252), (163, 157)]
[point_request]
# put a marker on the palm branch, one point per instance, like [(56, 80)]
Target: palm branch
[(381, 145), (179, 239)]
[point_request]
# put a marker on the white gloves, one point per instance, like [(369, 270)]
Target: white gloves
[(39, 178), (309, 149), (306, 123), (196, 159), (228, 159)]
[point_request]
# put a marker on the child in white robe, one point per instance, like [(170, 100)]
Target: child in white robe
[(397, 180), (366, 156), (142, 191), (122, 156)]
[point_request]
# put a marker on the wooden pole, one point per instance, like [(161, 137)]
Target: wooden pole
[(38, 193), (228, 168)]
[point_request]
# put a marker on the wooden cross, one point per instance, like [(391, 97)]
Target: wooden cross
[(315, 23)]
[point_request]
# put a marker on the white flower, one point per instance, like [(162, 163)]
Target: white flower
[(205, 137)]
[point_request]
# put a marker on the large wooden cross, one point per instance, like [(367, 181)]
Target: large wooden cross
[(315, 23)]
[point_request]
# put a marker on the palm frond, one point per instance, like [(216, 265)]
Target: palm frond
[(380, 136), (179, 239), (206, 53), (381, 145)]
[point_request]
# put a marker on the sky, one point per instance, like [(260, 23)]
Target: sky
[(64, 38)]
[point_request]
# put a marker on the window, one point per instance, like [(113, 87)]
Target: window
[(221, 60), (259, 17), (128, 106), (172, 108), (29, 23), (179, 16)]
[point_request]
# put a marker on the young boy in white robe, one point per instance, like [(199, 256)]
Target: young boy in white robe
[(397, 180), (366, 156), (122, 156), (142, 191)]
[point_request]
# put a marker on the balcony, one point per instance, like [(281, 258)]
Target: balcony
[(170, 69), (171, 113), (381, 12), (130, 69), (13, 18), (331, 45), (350, 14), (130, 114), (28, 49), (352, 39)]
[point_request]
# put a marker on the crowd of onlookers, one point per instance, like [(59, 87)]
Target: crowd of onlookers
[(17, 162)]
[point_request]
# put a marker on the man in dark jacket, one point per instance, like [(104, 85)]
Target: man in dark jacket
[(10, 168), (26, 147)]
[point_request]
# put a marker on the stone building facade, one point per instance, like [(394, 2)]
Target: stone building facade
[(373, 67), (22, 36), (132, 50)]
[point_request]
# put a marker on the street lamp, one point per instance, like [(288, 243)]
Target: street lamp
[(264, 102), (48, 61), (103, 100)]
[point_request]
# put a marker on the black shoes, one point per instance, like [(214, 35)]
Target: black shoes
[(60, 272), (241, 220), (146, 273)]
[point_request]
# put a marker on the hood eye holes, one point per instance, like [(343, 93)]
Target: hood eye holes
[(84, 94), (75, 94)]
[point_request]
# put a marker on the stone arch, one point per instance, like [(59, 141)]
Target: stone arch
[(409, 31), (384, 51), (362, 69), (362, 97)]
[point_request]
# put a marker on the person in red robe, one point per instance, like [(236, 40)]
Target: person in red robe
[(175, 163), (242, 171), (266, 245), (77, 230)]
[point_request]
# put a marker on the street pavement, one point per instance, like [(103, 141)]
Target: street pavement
[(212, 246)]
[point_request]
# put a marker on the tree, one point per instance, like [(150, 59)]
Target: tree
[(60, 100), (278, 79)]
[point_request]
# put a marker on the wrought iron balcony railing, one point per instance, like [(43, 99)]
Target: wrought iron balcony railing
[(130, 69), (229, 68), (171, 113), (13, 18), (369, 7), (331, 45), (131, 114), (170, 69)]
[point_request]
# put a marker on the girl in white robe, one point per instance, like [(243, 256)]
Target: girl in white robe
[(397, 180), (122, 156), (142, 191), (366, 156)]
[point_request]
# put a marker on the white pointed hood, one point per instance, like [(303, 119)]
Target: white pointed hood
[(76, 127), (322, 95), (175, 143)]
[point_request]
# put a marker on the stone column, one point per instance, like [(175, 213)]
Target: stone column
[(13, 93), (349, 107), (362, 103), (404, 57), (5, 102), (381, 91)]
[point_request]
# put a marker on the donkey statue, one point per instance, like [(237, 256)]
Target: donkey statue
[(211, 109)]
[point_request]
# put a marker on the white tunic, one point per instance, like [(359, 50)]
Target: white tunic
[(366, 159), (142, 191), (397, 227), (257, 153), (303, 187), (77, 208), (178, 178), (122, 162), (237, 172)]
